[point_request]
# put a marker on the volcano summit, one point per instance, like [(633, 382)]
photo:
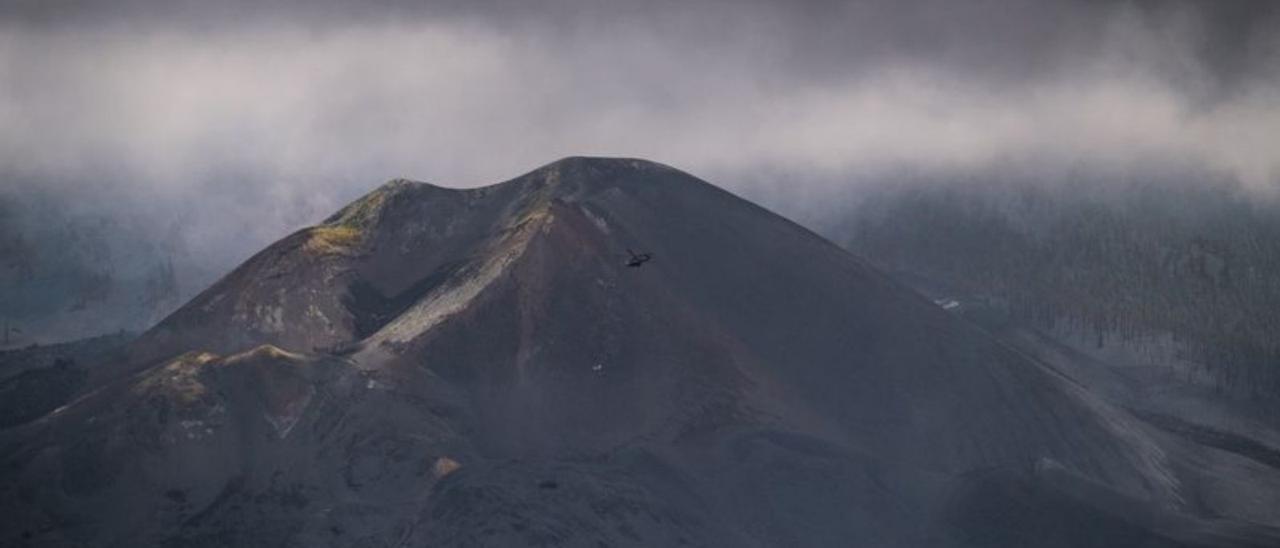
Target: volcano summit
[(439, 367)]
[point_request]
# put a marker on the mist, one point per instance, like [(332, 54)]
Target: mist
[(195, 135)]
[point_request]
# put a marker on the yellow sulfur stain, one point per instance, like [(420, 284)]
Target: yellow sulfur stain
[(180, 378), (332, 239)]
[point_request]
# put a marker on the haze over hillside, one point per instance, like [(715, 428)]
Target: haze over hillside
[(434, 366), (153, 137), (1169, 272)]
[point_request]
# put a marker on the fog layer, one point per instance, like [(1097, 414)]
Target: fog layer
[(196, 135)]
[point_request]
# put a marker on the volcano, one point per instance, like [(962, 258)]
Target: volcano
[(490, 367)]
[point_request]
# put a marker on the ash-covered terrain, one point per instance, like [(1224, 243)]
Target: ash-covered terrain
[(438, 367)]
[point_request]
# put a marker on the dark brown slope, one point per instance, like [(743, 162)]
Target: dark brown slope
[(331, 284), (480, 367)]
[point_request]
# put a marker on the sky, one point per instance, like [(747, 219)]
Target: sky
[(194, 133)]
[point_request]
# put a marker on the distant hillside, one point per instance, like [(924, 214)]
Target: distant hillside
[(38, 379), (1187, 275), (67, 275)]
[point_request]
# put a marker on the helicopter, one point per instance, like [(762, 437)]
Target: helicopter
[(638, 259)]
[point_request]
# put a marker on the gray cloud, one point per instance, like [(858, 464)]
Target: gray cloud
[(240, 121)]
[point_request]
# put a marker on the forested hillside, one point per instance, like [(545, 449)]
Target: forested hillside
[(65, 274), (1186, 273)]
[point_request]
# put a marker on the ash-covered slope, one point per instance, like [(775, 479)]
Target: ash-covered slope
[(481, 367)]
